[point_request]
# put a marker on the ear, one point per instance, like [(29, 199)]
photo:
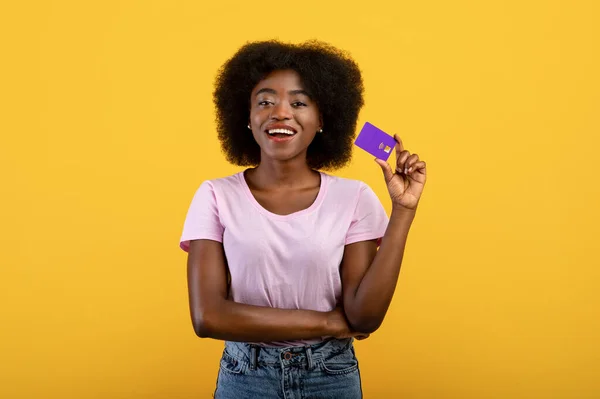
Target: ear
[(320, 120)]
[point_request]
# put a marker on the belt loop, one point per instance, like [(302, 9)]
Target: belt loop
[(253, 357), (309, 358)]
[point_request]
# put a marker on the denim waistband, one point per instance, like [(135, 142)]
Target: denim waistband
[(305, 356)]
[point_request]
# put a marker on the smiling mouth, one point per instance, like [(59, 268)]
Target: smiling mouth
[(280, 134)]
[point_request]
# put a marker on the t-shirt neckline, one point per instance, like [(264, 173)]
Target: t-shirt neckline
[(316, 203)]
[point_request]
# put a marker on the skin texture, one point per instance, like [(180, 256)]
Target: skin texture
[(280, 99), (283, 183)]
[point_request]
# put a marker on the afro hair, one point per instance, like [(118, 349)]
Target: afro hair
[(329, 75)]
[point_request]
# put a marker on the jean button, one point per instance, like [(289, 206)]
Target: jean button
[(287, 355)]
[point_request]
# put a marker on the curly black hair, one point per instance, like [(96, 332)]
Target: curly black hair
[(329, 75)]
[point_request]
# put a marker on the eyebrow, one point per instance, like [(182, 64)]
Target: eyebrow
[(292, 92)]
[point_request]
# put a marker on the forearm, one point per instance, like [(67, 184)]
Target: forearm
[(376, 289), (231, 321)]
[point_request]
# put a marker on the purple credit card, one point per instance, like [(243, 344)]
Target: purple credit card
[(375, 141)]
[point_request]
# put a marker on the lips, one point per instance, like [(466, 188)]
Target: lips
[(280, 137), (280, 132), (280, 126)]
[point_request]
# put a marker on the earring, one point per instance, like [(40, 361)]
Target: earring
[(321, 130), (249, 126)]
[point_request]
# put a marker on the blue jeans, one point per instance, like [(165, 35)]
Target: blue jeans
[(327, 370)]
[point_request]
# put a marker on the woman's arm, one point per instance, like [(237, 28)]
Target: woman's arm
[(369, 276), (215, 316)]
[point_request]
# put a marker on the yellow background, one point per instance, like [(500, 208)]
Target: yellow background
[(107, 128)]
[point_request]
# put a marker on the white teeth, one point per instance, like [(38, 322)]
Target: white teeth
[(283, 131)]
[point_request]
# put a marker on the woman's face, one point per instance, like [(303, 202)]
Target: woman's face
[(283, 118)]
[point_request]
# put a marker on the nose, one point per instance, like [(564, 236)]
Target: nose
[(281, 111)]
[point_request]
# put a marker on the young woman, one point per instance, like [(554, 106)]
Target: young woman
[(288, 264)]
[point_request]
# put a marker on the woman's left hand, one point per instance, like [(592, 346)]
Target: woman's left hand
[(406, 183)]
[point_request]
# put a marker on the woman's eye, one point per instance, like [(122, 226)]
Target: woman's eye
[(299, 104), (265, 102)]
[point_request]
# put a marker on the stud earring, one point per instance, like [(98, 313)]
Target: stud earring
[(321, 130), (249, 127)]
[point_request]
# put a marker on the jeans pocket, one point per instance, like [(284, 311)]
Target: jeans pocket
[(231, 365), (341, 363)]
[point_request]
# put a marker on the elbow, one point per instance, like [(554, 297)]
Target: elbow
[(203, 325), (365, 326), (364, 322), (201, 330), (207, 318)]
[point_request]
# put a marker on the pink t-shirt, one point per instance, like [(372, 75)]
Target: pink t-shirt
[(285, 261)]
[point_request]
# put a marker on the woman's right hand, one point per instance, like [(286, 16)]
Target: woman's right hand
[(339, 327)]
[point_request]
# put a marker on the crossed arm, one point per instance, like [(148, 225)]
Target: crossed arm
[(369, 278)]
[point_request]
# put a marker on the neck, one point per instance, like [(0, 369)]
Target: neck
[(292, 173)]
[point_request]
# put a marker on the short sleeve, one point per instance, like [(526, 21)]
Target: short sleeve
[(369, 220), (202, 220)]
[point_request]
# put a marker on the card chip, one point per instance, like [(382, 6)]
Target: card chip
[(375, 141)]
